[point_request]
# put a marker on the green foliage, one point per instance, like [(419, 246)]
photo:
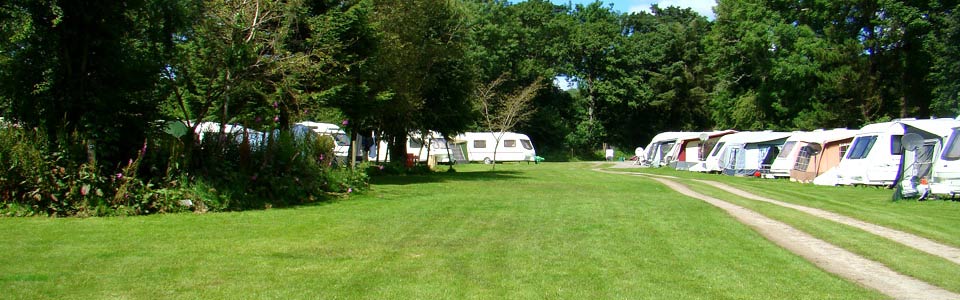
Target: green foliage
[(42, 179), (231, 174)]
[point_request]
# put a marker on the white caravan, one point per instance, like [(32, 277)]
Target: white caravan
[(923, 144), (946, 169), (745, 153), (660, 150), (340, 138), (421, 148), (872, 159), (691, 151), (512, 147), (787, 159)]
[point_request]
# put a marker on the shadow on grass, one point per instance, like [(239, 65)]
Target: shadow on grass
[(446, 177)]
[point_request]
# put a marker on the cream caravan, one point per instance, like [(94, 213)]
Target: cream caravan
[(513, 146), (806, 155)]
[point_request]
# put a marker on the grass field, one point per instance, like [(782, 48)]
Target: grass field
[(526, 231)]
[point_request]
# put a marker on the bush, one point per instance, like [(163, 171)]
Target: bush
[(170, 173)]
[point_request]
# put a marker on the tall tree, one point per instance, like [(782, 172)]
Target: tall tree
[(944, 45), (87, 68), (595, 35), (421, 70)]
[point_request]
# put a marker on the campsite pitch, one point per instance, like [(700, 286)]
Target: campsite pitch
[(929, 261), (554, 230)]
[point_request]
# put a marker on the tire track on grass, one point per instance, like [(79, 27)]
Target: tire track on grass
[(824, 255), (907, 239)]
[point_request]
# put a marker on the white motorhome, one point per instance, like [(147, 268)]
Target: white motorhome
[(921, 164), (513, 146), (872, 159), (946, 170), (794, 148), (340, 138)]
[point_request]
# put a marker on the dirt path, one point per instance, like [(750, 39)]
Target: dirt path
[(910, 240), (828, 257)]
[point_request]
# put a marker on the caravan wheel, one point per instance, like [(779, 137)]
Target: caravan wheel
[(487, 161)]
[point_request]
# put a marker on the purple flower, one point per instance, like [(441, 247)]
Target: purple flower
[(345, 122), (349, 190), (254, 177), (381, 167), (258, 119), (119, 175), (276, 118), (275, 104)]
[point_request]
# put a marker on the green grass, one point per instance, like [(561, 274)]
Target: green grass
[(936, 220), (903, 259), (526, 231)]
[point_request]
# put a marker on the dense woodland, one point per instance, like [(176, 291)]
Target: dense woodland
[(91, 78)]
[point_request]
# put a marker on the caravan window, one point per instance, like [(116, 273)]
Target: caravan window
[(717, 148), (803, 159), (438, 143), (952, 150), (786, 149), (415, 143), (861, 147), (510, 143), (896, 148), (843, 149), (479, 143), (526, 144)]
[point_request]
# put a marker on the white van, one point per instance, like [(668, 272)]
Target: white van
[(512, 147)]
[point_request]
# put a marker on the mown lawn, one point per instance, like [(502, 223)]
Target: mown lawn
[(526, 231), (938, 220), (933, 219)]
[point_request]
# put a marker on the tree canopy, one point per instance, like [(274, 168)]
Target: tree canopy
[(101, 71)]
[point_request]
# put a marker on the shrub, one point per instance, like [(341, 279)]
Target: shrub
[(168, 174)]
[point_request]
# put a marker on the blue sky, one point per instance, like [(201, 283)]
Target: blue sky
[(700, 6)]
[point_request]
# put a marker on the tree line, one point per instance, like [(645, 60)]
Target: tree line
[(103, 71)]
